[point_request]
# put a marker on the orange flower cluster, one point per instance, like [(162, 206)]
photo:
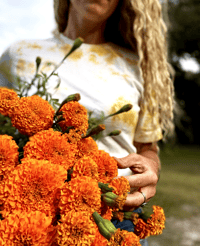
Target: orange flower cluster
[(8, 101), (8, 155), (31, 228), (52, 146), (107, 166), (32, 114), (75, 228), (124, 238), (32, 186), (75, 115), (50, 195), (153, 226), (121, 188)]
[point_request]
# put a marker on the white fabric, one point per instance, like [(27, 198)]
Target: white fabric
[(106, 76)]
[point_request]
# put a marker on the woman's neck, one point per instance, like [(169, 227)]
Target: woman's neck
[(92, 33)]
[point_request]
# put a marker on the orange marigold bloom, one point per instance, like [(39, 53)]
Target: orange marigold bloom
[(85, 167), (121, 188), (33, 185), (75, 115), (106, 211), (32, 228), (80, 194), (156, 223), (53, 146), (99, 238), (118, 215), (75, 228), (124, 238), (32, 114), (141, 229), (73, 136), (86, 146), (8, 101), (107, 165), (8, 155)]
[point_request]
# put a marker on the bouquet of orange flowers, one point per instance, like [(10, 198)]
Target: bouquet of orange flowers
[(56, 186)]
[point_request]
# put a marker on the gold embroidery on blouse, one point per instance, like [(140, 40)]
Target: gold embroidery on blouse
[(52, 48), (34, 46), (93, 58), (77, 54), (21, 45), (48, 66), (129, 117), (65, 48), (31, 67), (20, 65), (105, 51)]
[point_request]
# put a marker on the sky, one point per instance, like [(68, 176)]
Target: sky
[(25, 19), (28, 19)]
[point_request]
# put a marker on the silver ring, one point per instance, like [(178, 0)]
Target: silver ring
[(144, 203)]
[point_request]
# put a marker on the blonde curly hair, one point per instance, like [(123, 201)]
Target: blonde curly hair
[(140, 28)]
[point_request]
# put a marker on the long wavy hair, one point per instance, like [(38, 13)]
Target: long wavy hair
[(138, 25)]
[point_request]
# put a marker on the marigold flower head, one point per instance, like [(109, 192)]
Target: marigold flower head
[(80, 194), (85, 166), (99, 238), (75, 115), (33, 185), (86, 146), (118, 216), (8, 155), (106, 211), (124, 238), (8, 101), (21, 228), (73, 136), (75, 228), (52, 146), (121, 188), (156, 223), (32, 114), (141, 229), (107, 165)]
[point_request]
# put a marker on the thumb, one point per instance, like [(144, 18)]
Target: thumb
[(122, 163)]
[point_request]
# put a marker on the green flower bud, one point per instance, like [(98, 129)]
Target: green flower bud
[(106, 227), (76, 45), (131, 216), (125, 108), (114, 133), (104, 187), (38, 62), (73, 97), (109, 198), (94, 131)]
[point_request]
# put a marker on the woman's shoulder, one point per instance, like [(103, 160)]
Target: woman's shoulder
[(130, 56), (30, 45)]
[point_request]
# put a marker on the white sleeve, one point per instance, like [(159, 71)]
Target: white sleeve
[(6, 76)]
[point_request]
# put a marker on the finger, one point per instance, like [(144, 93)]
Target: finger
[(133, 201), (127, 161), (142, 179), (121, 163), (136, 199)]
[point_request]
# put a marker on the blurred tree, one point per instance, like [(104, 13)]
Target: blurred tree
[(184, 28), (184, 41)]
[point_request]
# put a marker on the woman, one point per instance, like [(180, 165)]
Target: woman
[(123, 60)]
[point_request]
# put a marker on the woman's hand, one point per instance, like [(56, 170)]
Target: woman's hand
[(146, 166)]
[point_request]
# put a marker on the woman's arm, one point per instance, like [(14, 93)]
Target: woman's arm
[(146, 167)]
